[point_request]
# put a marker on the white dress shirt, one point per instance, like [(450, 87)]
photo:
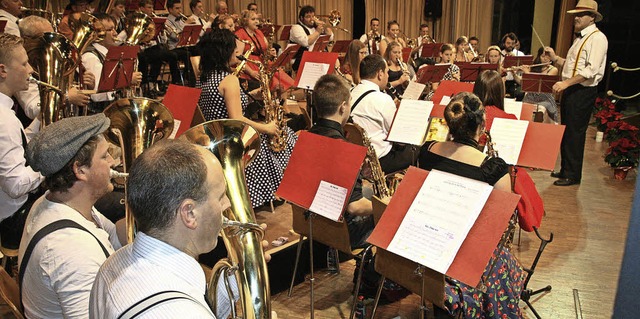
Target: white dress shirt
[(363, 39), (58, 278), (16, 178), (375, 114), (148, 266), (593, 57), (93, 64), (12, 23), (298, 36), (29, 100), (514, 52), (199, 21), (178, 26)]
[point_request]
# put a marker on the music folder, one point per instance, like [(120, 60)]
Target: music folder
[(266, 29), (3, 24), (450, 88), (341, 46), (430, 50), (476, 249), (406, 54), (159, 5), (512, 60), (321, 44), (318, 158), (286, 32), (432, 73), (159, 23), (536, 82), (189, 35), (312, 66), (286, 56), (469, 71), (182, 101), (117, 69)]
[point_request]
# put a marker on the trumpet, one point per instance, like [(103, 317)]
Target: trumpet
[(333, 19)]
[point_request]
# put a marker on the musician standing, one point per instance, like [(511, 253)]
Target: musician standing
[(18, 182), (582, 70), (373, 37), (10, 12), (306, 32)]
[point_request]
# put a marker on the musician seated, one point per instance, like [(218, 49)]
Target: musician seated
[(474, 43), (331, 101), (393, 34), (307, 31), (93, 60), (356, 51), (57, 273), (400, 74), (373, 37), (453, 73), (117, 12), (465, 116), (374, 110), (224, 21), (174, 227), (10, 12), (545, 102), (19, 182), (75, 6), (199, 16), (424, 37), (509, 42), (175, 24), (250, 33), (462, 50), (490, 89)]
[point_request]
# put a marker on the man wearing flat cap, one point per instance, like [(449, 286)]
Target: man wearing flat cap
[(65, 239), (582, 70)]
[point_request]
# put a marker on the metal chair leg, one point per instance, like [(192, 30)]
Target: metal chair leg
[(295, 267), (359, 280)]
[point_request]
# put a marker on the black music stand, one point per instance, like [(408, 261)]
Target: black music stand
[(469, 71), (118, 67), (189, 35), (432, 73)]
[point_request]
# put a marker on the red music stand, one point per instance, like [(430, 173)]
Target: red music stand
[(286, 56), (341, 46), (511, 61), (189, 35), (159, 22), (406, 53), (432, 73), (286, 32), (315, 57), (182, 101), (117, 70), (450, 88), (469, 72), (3, 24), (321, 44), (535, 82), (160, 5), (431, 50), (266, 29)]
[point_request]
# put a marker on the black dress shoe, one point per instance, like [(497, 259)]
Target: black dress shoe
[(556, 174), (566, 182)]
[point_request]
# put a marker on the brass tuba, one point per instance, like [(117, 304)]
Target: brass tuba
[(59, 60), (235, 143), (136, 124), (83, 26), (140, 28)]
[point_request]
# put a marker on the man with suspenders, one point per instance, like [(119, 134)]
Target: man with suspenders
[(65, 238), (582, 70), (306, 32)]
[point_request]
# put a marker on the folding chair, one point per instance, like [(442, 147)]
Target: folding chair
[(10, 293)]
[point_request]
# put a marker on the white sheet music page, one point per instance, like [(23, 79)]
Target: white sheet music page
[(439, 219), (507, 136), (311, 72), (176, 127), (413, 91), (411, 121), (445, 100), (329, 201), (511, 106)]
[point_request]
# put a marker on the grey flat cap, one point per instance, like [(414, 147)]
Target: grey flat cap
[(50, 150)]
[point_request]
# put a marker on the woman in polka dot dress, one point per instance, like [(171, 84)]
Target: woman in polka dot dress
[(222, 98)]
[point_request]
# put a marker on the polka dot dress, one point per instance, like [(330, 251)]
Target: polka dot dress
[(266, 170)]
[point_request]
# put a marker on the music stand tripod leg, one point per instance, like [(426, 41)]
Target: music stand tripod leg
[(359, 280), (295, 267), (377, 299), (311, 277)]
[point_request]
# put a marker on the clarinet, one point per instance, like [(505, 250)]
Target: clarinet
[(392, 91)]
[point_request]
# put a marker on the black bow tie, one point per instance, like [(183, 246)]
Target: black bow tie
[(178, 19), (578, 35)]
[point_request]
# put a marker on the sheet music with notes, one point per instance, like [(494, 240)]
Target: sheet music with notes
[(413, 91), (410, 122), (439, 219), (311, 73), (329, 201), (445, 100), (512, 106), (508, 136)]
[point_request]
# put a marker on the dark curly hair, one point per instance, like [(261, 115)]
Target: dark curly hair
[(217, 47), (464, 114)]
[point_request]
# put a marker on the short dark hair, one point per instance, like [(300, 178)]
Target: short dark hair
[(509, 35), (423, 25), (118, 2), (490, 88), (371, 65), (304, 10), (392, 22), (446, 47), (64, 179), (474, 38), (103, 16), (251, 4), (217, 47), (193, 4), (328, 93), (171, 3), (161, 178), (464, 114), (373, 19), (143, 3)]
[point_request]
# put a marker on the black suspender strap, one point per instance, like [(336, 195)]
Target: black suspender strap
[(353, 107), (154, 300), (46, 230)]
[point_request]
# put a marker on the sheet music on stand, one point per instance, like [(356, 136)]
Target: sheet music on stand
[(508, 137), (118, 67), (432, 73), (410, 122), (189, 35), (313, 65), (413, 91)]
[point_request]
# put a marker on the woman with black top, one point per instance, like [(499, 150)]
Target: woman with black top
[(465, 117)]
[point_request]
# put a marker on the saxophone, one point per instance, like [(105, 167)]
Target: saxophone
[(273, 110), (244, 58), (381, 189)]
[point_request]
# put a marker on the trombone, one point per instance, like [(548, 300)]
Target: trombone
[(333, 19)]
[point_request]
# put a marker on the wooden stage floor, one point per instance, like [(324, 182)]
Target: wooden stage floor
[(582, 264)]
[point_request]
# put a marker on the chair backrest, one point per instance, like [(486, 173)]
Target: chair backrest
[(530, 207), (402, 270), (10, 293), (325, 231), (356, 135)]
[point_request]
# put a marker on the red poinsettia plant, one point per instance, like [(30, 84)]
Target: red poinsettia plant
[(623, 138)]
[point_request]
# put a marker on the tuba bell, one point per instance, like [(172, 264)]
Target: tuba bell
[(136, 124), (83, 26), (235, 143), (59, 59), (140, 28)]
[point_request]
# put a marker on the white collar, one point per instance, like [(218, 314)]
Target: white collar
[(6, 101), (590, 28)]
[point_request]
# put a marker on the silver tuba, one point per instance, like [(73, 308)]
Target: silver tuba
[(136, 124), (235, 143), (59, 60)]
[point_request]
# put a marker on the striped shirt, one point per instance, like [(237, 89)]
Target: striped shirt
[(145, 267)]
